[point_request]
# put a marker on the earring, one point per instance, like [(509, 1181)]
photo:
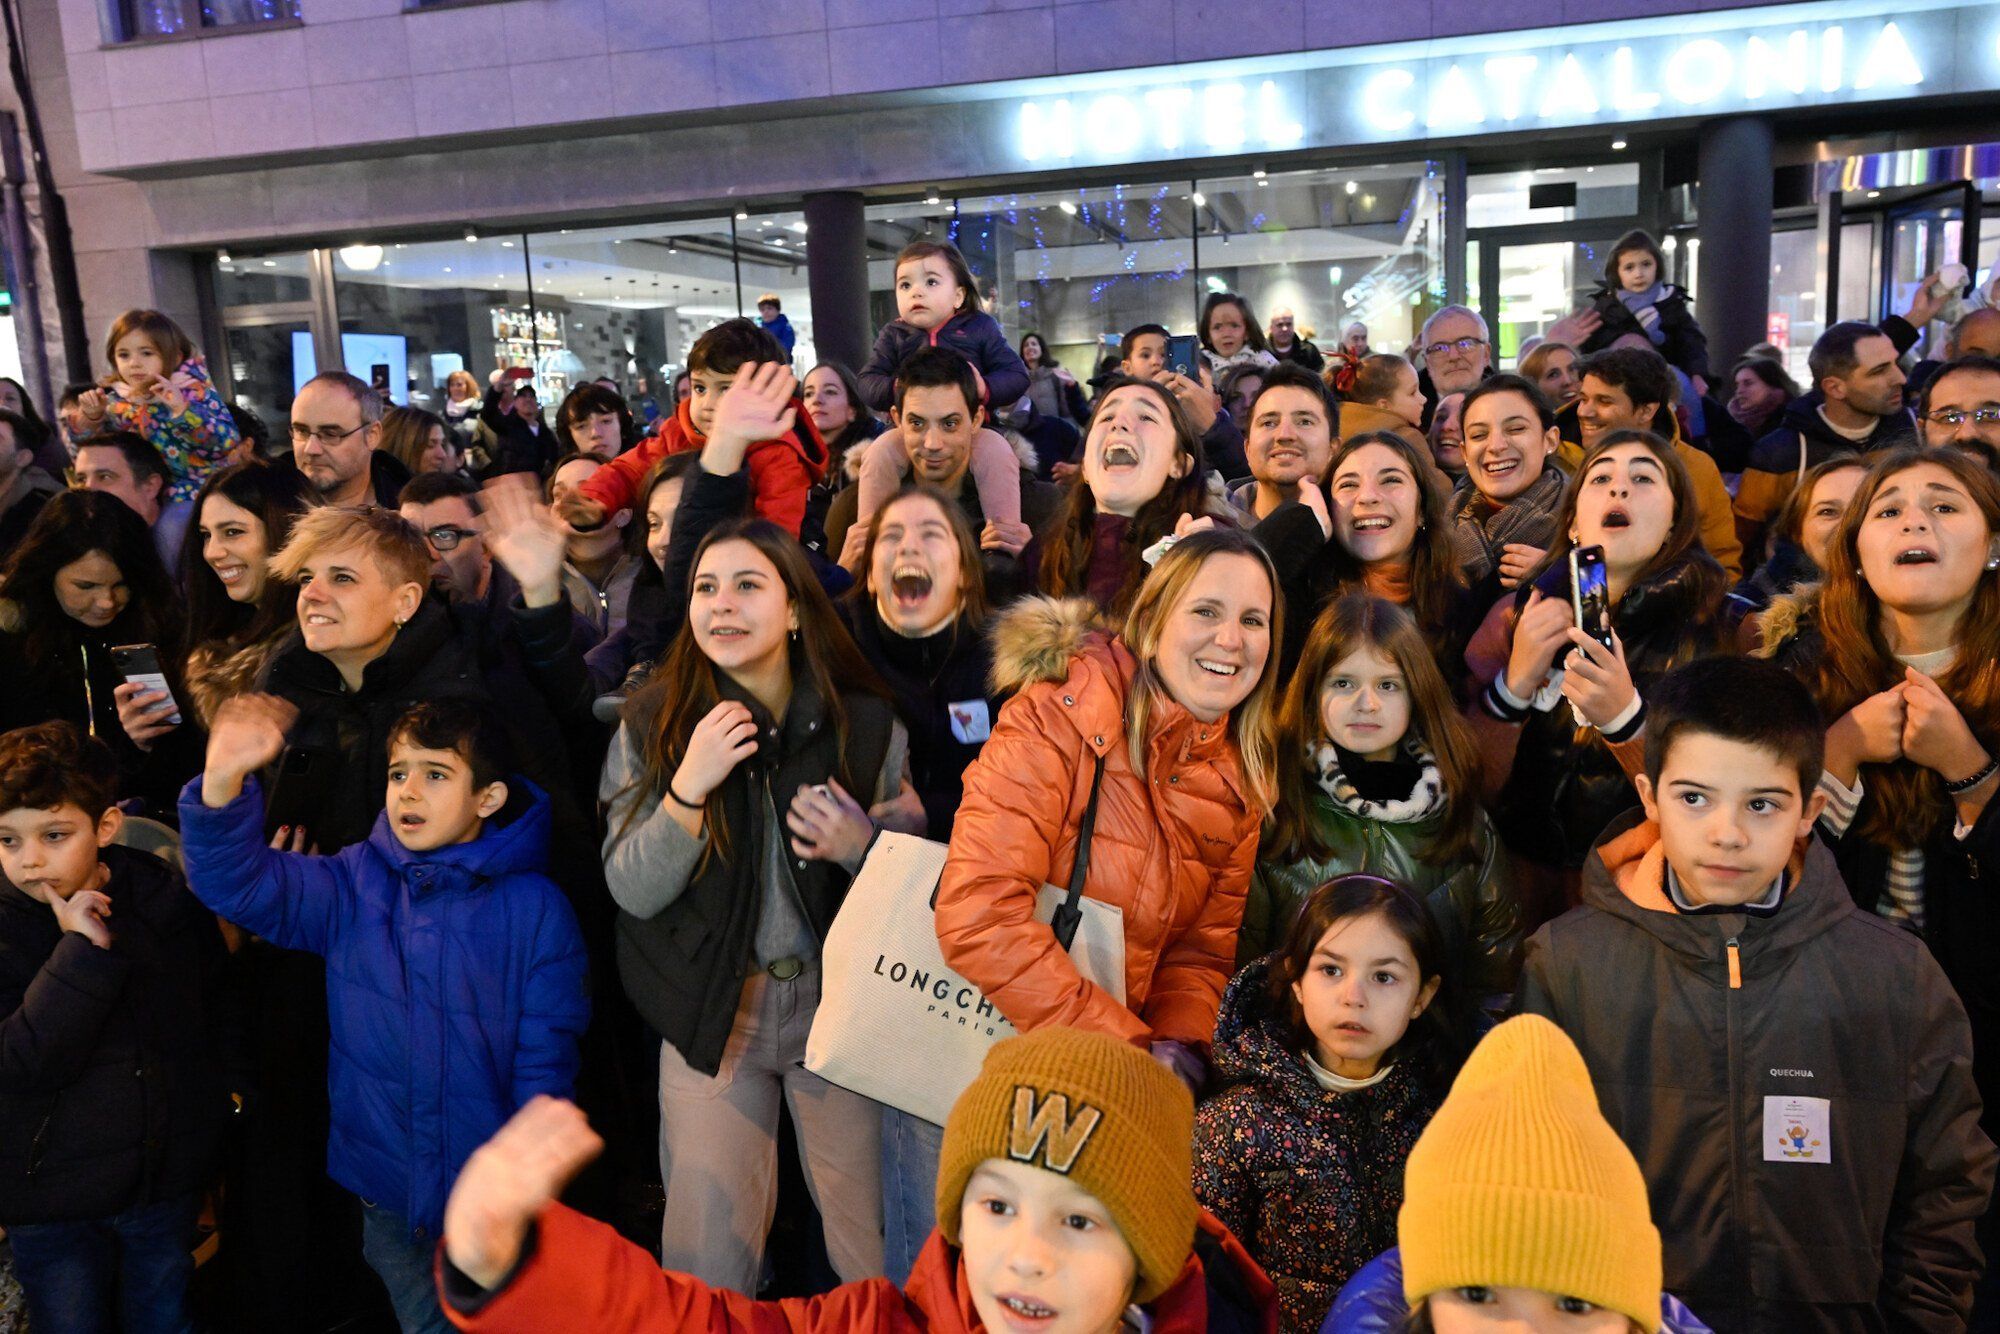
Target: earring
[(1994, 563)]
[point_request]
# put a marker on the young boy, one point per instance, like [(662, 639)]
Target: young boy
[(455, 972), (786, 455), (1794, 1075), (1063, 1202), (112, 1096)]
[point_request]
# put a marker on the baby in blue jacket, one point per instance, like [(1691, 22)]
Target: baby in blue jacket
[(455, 972)]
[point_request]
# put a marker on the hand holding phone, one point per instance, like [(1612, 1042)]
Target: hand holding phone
[(139, 664), (1184, 356), (1590, 593)]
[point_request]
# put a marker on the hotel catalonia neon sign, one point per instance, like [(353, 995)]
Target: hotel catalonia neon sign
[(1796, 55)]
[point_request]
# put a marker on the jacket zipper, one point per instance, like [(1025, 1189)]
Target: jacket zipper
[(1735, 1111), (791, 879)]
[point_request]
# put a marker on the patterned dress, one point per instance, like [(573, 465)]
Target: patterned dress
[(194, 443)]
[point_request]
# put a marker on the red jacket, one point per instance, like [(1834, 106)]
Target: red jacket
[(583, 1276), (782, 471)]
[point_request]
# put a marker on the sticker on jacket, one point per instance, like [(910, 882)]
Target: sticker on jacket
[(970, 721), (1798, 1130)]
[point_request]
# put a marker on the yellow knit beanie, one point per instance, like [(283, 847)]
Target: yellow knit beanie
[(1102, 1113), (1520, 1182)]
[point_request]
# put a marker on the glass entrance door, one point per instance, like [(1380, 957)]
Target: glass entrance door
[(1902, 236), (1525, 286)]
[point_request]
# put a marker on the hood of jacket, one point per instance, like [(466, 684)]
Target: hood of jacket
[(1802, 415), (1625, 878), (519, 846), (1249, 1044), (1220, 1288), (1358, 417), (1789, 615), (1037, 638)]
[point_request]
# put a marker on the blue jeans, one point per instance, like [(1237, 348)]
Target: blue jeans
[(911, 1147), (401, 1256), (129, 1271)]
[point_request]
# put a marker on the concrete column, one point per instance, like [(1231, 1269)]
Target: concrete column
[(837, 277), (1733, 280)]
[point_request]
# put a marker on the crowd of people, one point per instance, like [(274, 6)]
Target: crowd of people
[(1546, 815)]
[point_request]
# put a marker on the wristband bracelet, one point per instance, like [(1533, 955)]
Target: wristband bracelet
[(1967, 784), (679, 800)]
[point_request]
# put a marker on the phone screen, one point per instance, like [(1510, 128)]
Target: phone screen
[(1184, 356), (139, 664), (1590, 593)]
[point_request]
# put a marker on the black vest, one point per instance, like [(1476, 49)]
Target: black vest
[(684, 968)]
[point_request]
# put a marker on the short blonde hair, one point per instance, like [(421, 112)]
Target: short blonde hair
[(1252, 722), (394, 543)]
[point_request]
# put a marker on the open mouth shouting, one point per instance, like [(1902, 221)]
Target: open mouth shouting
[(1119, 455), (1615, 517), (1916, 556), (910, 586)]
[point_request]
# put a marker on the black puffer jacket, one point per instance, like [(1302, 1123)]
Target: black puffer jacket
[(112, 1092), (1565, 784)]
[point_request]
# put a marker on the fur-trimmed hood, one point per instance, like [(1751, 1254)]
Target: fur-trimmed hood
[(1788, 615), (1036, 639)]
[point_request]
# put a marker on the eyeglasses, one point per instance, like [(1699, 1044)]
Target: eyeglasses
[(1985, 415), (326, 435), (446, 537), (1462, 346)]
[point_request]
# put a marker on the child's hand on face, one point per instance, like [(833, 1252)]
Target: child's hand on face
[(85, 913), (508, 1180), (756, 406), (247, 734)]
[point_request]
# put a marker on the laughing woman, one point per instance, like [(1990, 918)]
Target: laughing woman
[(1558, 708), (736, 792), (1504, 513)]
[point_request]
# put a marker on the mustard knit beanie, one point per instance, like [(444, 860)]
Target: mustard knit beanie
[(1102, 1113), (1520, 1182)]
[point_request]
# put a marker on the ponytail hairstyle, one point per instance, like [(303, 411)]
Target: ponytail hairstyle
[(961, 273), (1065, 566), (1905, 802), (1438, 1040), (686, 685), (1350, 622), (1250, 723)]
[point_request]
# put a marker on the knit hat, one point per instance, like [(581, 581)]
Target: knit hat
[(1096, 1110), (1520, 1182)]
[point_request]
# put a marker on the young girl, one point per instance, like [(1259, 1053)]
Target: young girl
[(159, 388), (733, 835), (1384, 396), (1335, 1052), (1231, 336), (1378, 773), (937, 304), (1636, 298)]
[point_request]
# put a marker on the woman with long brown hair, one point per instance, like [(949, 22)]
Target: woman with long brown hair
[(1142, 473), (1556, 703), (237, 613), (1901, 647), (1377, 772), (738, 791)]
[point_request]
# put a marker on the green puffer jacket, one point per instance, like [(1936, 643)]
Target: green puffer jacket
[(1472, 899)]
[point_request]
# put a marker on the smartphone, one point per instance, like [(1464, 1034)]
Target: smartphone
[(139, 664), (301, 789), (1590, 593), (1184, 356)]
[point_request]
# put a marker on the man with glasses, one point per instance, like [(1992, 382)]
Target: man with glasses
[(335, 422), (445, 508), (1961, 407), (1457, 353)]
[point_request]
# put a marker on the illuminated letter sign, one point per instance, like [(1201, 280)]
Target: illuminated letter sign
[(1222, 116)]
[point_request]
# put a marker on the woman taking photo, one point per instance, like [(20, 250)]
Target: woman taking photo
[(1504, 512), (1898, 647), (1231, 336), (85, 579), (833, 400), (1556, 701), (1169, 721), (1142, 476), (1385, 532), (1378, 773), (1052, 388), (237, 613), (737, 794)]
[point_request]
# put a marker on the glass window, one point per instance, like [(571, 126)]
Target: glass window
[(771, 247), (1859, 266), (266, 304), (1538, 285), (139, 19), (1798, 315), (411, 314), (1332, 246), (1552, 194)]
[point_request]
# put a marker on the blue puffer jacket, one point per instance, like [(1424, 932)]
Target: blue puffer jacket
[(1373, 1303), (455, 982)]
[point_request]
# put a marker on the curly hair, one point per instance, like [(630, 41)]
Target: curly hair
[(56, 764)]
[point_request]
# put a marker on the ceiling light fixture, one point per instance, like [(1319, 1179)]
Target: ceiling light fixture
[(362, 258), (222, 256), (1352, 186), (1617, 145), (471, 235)]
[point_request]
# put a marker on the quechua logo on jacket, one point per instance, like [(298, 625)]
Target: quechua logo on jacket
[(1049, 1130)]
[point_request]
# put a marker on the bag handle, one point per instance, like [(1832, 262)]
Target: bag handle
[(1069, 916)]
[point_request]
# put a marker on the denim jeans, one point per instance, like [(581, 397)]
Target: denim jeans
[(403, 1262), (910, 1150), (129, 1271)]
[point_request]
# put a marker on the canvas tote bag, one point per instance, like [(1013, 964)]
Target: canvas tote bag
[(894, 1022)]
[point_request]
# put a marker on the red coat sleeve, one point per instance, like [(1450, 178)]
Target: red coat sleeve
[(1004, 843), (616, 485), (779, 481), (583, 1275)]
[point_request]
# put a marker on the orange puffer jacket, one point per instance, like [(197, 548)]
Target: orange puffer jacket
[(1173, 847)]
